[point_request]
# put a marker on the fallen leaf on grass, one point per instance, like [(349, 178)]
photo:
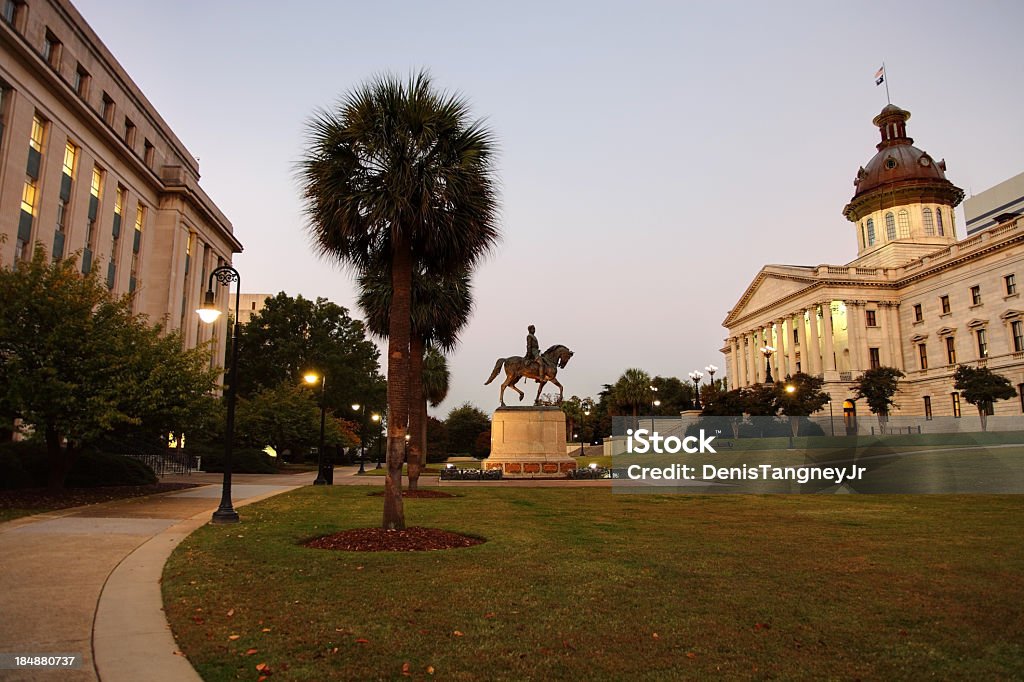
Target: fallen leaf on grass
[(250, 652), (262, 667), (457, 633), (233, 637), (266, 630), (762, 626), (430, 670), (231, 612), (654, 635), (179, 653), (405, 669), (489, 615), (362, 641), (691, 655)]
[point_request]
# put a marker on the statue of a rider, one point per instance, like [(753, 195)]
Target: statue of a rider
[(533, 356)]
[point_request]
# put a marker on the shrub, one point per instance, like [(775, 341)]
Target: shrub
[(25, 465), (243, 460)]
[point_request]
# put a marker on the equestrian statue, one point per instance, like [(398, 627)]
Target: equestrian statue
[(541, 367)]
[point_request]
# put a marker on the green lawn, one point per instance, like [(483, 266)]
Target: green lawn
[(578, 583)]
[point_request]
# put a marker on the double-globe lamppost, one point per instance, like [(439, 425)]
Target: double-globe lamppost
[(695, 377), (311, 378), (209, 313), (380, 436), (767, 351), (361, 409), (711, 369)]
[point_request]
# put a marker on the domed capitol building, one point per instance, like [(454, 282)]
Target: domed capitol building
[(915, 298)]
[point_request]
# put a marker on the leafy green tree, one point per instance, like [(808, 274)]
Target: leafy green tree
[(632, 391), (800, 395), (465, 423), (437, 440), (878, 387), (674, 394), (731, 405), (401, 175), (981, 387), (75, 363), (292, 336), (287, 417)]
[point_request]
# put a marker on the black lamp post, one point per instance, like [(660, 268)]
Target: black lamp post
[(711, 369), (209, 313), (695, 377), (586, 413), (376, 419), (361, 409), (311, 378), (767, 352), (407, 438)]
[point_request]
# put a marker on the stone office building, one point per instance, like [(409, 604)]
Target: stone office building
[(915, 298), (88, 167)]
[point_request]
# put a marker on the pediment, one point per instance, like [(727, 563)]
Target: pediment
[(918, 338), (766, 289), (946, 331), (976, 322), (1011, 314)]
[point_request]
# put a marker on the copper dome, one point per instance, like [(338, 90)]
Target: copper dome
[(899, 171)]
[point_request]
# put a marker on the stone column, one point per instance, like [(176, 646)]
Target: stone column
[(828, 353), (893, 334), (811, 343), (780, 345), (735, 376), (790, 345), (854, 321)]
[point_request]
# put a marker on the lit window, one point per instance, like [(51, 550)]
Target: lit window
[(982, 344), (904, 220), (922, 354), (1011, 284), (929, 224), (956, 404), (28, 198), (70, 154), (950, 350), (35, 141), (927, 407), (118, 200), (1017, 327), (890, 226), (976, 295)]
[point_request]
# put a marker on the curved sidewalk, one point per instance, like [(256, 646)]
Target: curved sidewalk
[(86, 581)]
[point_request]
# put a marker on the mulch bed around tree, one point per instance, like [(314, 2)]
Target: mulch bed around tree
[(43, 498), (417, 493), (414, 539)]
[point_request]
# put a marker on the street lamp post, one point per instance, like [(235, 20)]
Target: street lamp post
[(767, 352), (790, 390), (711, 369), (312, 378), (695, 377), (361, 409), (586, 413), (408, 437), (376, 419), (831, 418), (209, 313)]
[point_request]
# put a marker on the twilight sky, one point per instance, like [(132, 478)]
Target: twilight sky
[(654, 155)]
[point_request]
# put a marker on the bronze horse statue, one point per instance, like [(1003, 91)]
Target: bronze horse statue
[(516, 367)]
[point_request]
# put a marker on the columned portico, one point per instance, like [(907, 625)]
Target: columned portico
[(855, 317), (790, 344), (828, 354), (814, 355)]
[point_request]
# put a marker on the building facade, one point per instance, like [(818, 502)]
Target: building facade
[(89, 168), (249, 305), (995, 205), (915, 298)]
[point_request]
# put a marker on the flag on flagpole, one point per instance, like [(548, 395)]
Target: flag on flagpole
[(880, 76)]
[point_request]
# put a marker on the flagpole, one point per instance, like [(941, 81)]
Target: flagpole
[(885, 76)]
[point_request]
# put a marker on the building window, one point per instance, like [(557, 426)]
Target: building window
[(938, 221), (929, 224), (956, 404), (81, 83), (129, 132), (14, 13), (927, 407), (976, 295), (51, 50), (904, 220), (1017, 327), (108, 109), (918, 313), (944, 302), (115, 247), (871, 231), (863, 235), (1011, 284), (95, 191), (871, 321), (982, 343), (890, 226), (922, 353), (140, 220), (149, 153), (64, 197), (950, 350), (875, 358), (796, 337)]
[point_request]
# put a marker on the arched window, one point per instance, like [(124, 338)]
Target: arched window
[(929, 226), (890, 226), (871, 231), (903, 218), (938, 220), (863, 235)]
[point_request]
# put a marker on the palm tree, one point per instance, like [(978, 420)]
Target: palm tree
[(398, 173), (632, 389), (441, 307)]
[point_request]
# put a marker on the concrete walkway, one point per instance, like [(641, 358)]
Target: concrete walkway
[(86, 581)]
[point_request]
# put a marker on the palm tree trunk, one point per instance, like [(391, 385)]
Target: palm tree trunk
[(416, 409), (399, 332)]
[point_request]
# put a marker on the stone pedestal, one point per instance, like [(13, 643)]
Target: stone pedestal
[(529, 442)]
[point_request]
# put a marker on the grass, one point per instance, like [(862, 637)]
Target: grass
[(579, 583)]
